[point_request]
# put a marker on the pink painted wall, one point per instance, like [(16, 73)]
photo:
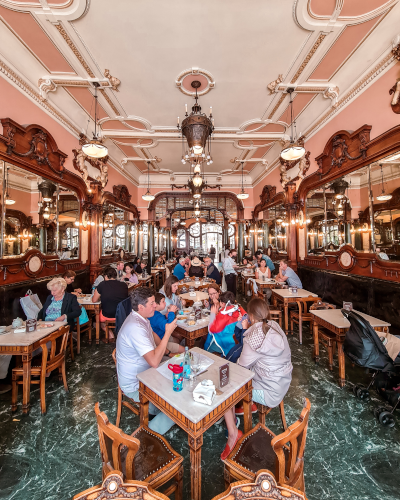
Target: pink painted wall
[(15, 105)]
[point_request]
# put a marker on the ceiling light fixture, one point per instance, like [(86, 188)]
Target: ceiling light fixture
[(242, 195), (383, 196), (95, 148), (148, 196), (47, 189), (294, 151)]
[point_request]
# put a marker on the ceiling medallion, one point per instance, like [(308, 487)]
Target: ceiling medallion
[(184, 80)]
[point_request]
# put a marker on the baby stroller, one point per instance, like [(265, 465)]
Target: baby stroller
[(364, 348)]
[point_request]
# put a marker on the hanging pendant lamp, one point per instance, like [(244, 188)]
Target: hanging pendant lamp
[(294, 151), (383, 196), (242, 195), (94, 148), (148, 196), (8, 199)]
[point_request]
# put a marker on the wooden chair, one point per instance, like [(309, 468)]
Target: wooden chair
[(264, 486), (79, 330), (47, 365), (114, 486), (145, 455), (275, 313), (263, 411), (128, 402), (302, 315), (109, 323), (327, 338), (262, 449)]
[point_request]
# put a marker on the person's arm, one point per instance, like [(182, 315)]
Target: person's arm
[(248, 356), (154, 357), (268, 272), (96, 296), (74, 310), (282, 278), (256, 274)]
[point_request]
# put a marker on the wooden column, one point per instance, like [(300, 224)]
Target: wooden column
[(225, 237), (150, 245), (240, 248), (168, 243), (95, 208), (291, 229)]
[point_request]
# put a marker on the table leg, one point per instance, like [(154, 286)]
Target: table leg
[(316, 342), (97, 327), (190, 343), (247, 415), (144, 410), (195, 445), (286, 309), (26, 391), (342, 364)]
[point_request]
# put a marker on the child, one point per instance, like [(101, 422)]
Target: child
[(158, 322)]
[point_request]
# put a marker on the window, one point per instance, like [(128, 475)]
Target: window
[(108, 239), (181, 235), (120, 236), (195, 229), (72, 238), (156, 240), (145, 238)]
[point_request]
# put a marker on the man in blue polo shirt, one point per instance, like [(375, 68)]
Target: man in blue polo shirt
[(179, 270), (260, 256), (286, 274)]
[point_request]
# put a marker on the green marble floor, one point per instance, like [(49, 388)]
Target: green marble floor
[(348, 454)]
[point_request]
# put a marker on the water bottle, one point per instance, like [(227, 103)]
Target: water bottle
[(186, 364)]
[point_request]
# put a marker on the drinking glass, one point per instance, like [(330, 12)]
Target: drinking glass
[(195, 366), (348, 306)]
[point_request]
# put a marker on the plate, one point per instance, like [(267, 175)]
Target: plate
[(40, 326)]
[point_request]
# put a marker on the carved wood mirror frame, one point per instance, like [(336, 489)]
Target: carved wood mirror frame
[(344, 153), (34, 149)]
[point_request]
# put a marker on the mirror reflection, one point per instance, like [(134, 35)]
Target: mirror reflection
[(278, 222), (361, 209), (38, 214), (118, 230)]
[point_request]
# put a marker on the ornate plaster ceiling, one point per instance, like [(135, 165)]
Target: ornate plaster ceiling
[(145, 55)]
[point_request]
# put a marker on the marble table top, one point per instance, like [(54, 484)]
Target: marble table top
[(336, 318), (202, 323), (266, 282), (87, 299), (140, 278), (199, 296), (301, 293), (195, 284), (24, 339), (183, 401)]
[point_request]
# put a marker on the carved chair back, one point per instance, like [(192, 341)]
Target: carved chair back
[(291, 466), (56, 358), (114, 487), (319, 306), (112, 440), (306, 304), (264, 486)]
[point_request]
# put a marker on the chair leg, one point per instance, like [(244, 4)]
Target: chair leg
[(71, 346), (64, 376), (280, 320), (43, 394), (291, 325), (14, 393), (283, 417), (78, 337), (119, 406), (227, 478), (330, 356), (107, 334), (179, 484), (261, 417), (300, 330)]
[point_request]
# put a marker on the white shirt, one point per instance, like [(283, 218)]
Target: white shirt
[(228, 266), (135, 339)]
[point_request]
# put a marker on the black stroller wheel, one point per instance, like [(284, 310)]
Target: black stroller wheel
[(384, 416), (361, 392)]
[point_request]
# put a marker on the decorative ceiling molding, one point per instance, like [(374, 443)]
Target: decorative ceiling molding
[(195, 72), (25, 87), (329, 90), (303, 65)]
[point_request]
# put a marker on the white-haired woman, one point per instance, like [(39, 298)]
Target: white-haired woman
[(60, 305)]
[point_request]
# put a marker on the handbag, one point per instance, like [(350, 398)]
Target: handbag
[(31, 305)]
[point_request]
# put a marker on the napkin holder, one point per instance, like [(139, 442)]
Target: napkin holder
[(204, 392), (192, 294)]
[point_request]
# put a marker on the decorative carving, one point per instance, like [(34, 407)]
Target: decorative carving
[(281, 99), (340, 149), (79, 163), (121, 192), (72, 46), (332, 93), (314, 48), (103, 177), (298, 174), (396, 50), (45, 86), (114, 81), (272, 86), (195, 71), (395, 90)]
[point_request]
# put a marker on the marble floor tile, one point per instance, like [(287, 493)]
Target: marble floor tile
[(54, 456)]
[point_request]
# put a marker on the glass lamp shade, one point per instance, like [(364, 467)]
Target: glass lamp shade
[(46, 215), (9, 201), (197, 212), (197, 195), (148, 196), (197, 169), (292, 153), (197, 149), (197, 180), (243, 195), (381, 197), (95, 149), (76, 223)]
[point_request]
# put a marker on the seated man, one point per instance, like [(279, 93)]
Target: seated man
[(382, 254), (179, 270), (158, 323), (212, 270), (259, 256), (286, 274), (139, 349)]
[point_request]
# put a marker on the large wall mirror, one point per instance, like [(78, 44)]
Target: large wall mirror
[(361, 209), (37, 213), (277, 219), (119, 230)]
